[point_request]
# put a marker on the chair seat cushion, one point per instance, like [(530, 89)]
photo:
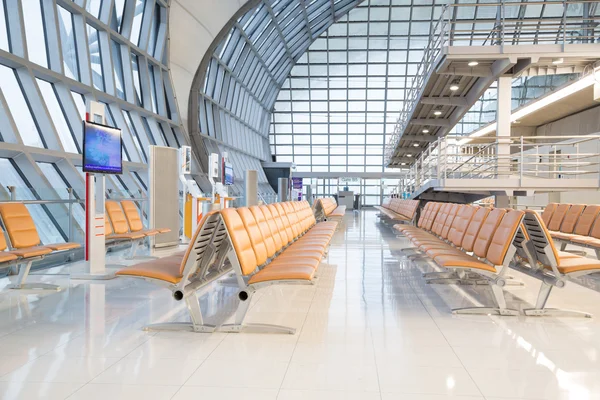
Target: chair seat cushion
[(278, 270), (166, 269), (128, 236), (457, 261), (6, 257), (63, 246), (295, 253), (163, 230), (578, 263), (29, 252), (563, 236)]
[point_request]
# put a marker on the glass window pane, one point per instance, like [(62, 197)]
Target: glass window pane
[(95, 57), (3, 29), (118, 69), (136, 79), (137, 21), (34, 32), (19, 108), (55, 110), (67, 37)]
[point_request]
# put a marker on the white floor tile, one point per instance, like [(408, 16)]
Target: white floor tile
[(103, 391), (37, 390), (53, 368), (221, 393), (349, 377), (223, 372), (149, 371), (289, 394), (426, 380)]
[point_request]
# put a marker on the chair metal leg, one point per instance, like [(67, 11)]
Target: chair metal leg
[(563, 246), (197, 324), (540, 309), (500, 302), (23, 274), (240, 315)]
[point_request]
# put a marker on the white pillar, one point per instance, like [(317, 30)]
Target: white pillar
[(251, 188), (503, 112), (503, 122)]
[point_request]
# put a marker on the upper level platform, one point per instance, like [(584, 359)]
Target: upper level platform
[(464, 58), (473, 168)]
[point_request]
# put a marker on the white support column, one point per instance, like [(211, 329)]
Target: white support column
[(503, 122), (503, 112), (251, 188)]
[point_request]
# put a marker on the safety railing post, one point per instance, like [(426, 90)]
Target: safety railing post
[(70, 190), (522, 163), (13, 192)]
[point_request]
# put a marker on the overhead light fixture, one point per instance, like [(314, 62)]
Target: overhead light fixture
[(455, 85), (558, 60), (409, 155), (416, 145), (539, 104), (425, 130), (437, 112), (403, 163), (473, 63)]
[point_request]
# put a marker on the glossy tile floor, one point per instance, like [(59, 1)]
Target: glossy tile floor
[(370, 329)]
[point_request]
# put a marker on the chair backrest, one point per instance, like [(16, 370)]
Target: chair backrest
[(540, 239), (3, 244), (265, 230), (424, 214), (279, 223), (486, 233), (548, 212), (473, 229), (292, 217), (434, 211), (272, 225), (558, 217), (460, 225), (107, 227), (132, 215), (259, 243), (454, 210), (571, 218), (440, 218), (586, 220), (240, 240), (19, 225), (286, 221), (504, 236), (117, 217)]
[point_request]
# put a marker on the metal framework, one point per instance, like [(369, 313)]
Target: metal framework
[(445, 86), (56, 55)]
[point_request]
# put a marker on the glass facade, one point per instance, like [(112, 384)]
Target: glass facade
[(63, 55)]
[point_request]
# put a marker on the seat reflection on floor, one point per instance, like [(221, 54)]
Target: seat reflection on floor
[(371, 328)]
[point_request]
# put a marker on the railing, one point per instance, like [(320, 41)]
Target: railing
[(510, 26), (524, 157)]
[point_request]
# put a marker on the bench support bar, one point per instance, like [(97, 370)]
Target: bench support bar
[(24, 269)]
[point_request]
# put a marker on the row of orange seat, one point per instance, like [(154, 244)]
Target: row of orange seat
[(474, 243), (123, 223), (24, 245), (327, 208), (399, 209), (264, 245), (576, 224)]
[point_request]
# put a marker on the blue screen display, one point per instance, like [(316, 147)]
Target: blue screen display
[(102, 149), (228, 174)]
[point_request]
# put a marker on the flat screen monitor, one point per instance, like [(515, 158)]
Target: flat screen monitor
[(228, 174), (102, 147)]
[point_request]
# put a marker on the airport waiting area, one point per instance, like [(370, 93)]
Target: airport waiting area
[(286, 200)]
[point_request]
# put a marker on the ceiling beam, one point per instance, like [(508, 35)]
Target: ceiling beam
[(430, 122), (445, 101), (468, 71), (419, 138)]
